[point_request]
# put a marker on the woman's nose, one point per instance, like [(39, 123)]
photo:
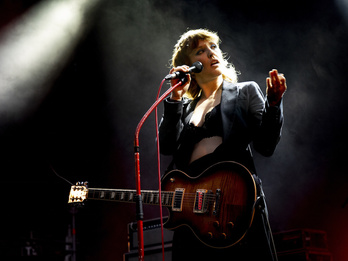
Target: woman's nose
[(211, 53)]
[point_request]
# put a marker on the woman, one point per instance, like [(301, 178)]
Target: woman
[(212, 118)]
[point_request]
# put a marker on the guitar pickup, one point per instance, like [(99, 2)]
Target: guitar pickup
[(201, 201), (178, 199)]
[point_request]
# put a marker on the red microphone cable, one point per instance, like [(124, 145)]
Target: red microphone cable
[(139, 209), (159, 171)]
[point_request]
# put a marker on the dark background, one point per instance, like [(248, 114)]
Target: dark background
[(83, 125)]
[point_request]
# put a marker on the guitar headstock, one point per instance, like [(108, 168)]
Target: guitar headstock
[(78, 193)]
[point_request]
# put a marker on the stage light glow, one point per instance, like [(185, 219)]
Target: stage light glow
[(343, 8), (35, 48)]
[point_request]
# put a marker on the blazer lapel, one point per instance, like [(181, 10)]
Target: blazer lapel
[(228, 105), (189, 111)]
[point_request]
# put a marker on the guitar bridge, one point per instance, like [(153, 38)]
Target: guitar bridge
[(217, 202), (201, 201)]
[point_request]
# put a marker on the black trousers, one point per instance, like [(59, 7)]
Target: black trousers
[(256, 245)]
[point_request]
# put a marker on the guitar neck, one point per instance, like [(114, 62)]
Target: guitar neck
[(150, 197)]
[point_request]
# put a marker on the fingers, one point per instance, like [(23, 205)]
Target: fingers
[(180, 91), (182, 68), (276, 86), (268, 82), (282, 79), (276, 80)]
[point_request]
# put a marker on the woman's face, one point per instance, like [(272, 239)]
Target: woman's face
[(209, 54)]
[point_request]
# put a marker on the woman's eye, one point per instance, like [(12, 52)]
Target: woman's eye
[(213, 46), (199, 52)]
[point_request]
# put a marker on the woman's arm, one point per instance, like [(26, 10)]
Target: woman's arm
[(170, 126), (269, 133)]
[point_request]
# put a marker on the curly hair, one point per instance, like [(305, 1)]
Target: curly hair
[(188, 42)]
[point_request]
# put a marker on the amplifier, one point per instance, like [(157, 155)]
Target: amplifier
[(150, 254), (301, 239), (305, 255), (152, 234)]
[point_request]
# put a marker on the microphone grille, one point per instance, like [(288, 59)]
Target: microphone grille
[(198, 67)]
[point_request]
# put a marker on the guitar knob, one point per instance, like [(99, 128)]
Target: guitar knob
[(223, 236), (216, 224), (230, 225), (210, 235)]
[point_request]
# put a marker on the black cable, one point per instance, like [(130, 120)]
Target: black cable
[(59, 176)]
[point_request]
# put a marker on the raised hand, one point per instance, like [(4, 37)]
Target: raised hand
[(276, 87)]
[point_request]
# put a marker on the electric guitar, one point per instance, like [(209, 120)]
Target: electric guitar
[(217, 205)]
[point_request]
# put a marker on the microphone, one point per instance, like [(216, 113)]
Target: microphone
[(196, 67)]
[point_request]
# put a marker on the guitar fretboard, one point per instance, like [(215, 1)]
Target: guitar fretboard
[(150, 197)]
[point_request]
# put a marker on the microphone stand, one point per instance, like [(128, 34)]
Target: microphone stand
[(138, 197)]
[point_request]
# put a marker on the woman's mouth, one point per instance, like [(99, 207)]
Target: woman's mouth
[(215, 62)]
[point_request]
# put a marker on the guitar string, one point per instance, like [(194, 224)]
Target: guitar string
[(92, 190), (189, 198), (144, 193), (188, 201), (154, 200), (122, 194)]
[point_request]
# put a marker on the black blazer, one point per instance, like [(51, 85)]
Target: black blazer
[(246, 118)]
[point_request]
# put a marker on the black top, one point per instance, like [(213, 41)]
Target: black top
[(211, 127)]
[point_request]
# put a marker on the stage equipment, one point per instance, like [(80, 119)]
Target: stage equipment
[(302, 245)]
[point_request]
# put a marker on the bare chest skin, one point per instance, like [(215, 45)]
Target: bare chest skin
[(204, 106), (207, 145)]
